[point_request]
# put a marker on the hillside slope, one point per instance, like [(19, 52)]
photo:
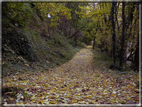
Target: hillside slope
[(34, 47)]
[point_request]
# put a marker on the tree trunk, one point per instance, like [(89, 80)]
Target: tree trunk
[(113, 26), (123, 36), (136, 59), (94, 42), (75, 40)]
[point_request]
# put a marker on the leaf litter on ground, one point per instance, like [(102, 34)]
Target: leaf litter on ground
[(75, 82)]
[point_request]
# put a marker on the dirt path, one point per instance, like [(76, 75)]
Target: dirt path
[(74, 82), (79, 65)]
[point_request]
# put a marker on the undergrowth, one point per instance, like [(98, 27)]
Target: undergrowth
[(102, 61)]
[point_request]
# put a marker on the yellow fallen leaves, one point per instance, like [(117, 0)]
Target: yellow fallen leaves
[(11, 98), (44, 101), (74, 83), (123, 102), (113, 95), (71, 90), (23, 82), (8, 84), (58, 78), (77, 94), (74, 101), (52, 102), (34, 101), (115, 100), (137, 90), (64, 89), (51, 91), (105, 92), (91, 102), (129, 86), (52, 97), (68, 95), (27, 65), (82, 102)]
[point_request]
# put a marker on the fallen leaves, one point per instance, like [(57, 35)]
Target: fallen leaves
[(74, 82)]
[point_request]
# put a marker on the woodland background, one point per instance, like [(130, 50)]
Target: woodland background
[(43, 61), (41, 31)]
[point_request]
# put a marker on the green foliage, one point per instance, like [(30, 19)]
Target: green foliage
[(18, 14), (54, 10), (103, 59)]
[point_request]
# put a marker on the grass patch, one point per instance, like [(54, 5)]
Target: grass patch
[(101, 60), (102, 63)]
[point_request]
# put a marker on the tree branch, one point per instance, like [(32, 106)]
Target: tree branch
[(80, 28)]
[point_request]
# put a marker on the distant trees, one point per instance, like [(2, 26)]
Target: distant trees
[(121, 20)]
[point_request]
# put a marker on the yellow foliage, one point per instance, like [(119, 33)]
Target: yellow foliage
[(74, 101), (52, 102)]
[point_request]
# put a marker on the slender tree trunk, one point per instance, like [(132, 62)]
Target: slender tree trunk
[(94, 42), (123, 36), (117, 20), (113, 35), (136, 59), (75, 40), (95, 37)]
